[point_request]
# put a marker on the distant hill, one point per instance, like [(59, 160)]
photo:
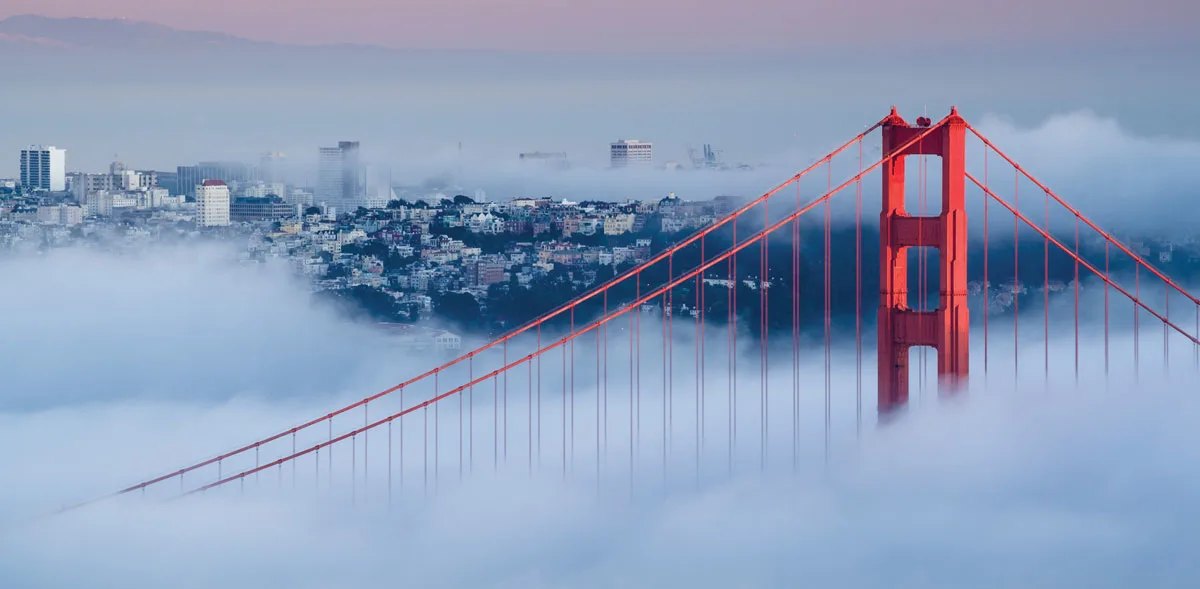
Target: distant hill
[(32, 31), (78, 46), (57, 52)]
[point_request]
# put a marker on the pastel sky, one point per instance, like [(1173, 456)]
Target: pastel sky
[(602, 25)]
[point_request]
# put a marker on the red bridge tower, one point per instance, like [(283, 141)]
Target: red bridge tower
[(900, 327)]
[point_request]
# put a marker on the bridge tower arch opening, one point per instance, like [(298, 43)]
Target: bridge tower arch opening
[(945, 329)]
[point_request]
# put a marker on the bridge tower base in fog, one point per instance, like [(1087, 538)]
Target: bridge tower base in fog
[(900, 327)]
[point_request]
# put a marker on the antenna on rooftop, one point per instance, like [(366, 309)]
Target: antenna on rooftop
[(460, 162)]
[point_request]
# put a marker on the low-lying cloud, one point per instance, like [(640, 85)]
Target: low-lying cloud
[(1030, 484), (1122, 180)]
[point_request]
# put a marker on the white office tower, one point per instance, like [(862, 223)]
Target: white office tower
[(631, 152), (340, 176), (44, 168), (212, 204)]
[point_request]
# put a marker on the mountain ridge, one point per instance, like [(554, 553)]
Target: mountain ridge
[(29, 35), (123, 34), (77, 33)]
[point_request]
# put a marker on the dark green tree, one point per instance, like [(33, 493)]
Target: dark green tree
[(459, 308)]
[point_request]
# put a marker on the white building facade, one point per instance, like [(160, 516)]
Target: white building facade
[(340, 176), (44, 168), (212, 204), (631, 152), (62, 214)]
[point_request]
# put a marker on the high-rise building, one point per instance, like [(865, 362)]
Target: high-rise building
[(631, 152), (44, 168), (168, 180), (212, 204), (188, 178), (251, 208), (270, 167), (231, 173), (554, 161), (340, 176)]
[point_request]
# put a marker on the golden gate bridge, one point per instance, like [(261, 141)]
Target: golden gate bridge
[(643, 378)]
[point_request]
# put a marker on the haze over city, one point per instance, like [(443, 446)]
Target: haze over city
[(226, 227)]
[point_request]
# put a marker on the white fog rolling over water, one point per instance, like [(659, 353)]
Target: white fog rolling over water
[(1005, 473)]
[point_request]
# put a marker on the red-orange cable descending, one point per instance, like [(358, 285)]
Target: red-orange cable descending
[(528, 421), (1077, 301), (605, 377), (425, 452), (703, 311), (598, 332), (1016, 285), (763, 283), (563, 401), (828, 312), (539, 398), (631, 394), (635, 430), (437, 438), (699, 337), (572, 461), (733, 355), (436, 430), (666, 391), (505, 353), (401, 395), (1137, 331), (461, 402), (470, 421), (987, 300), (858, 212), (329, 455), (796, 334), (1106, 321), (389, 463), (1108, 237), (1166, 333), (366, 454), (670, 358), (1133, 297), (1046, 292), (496, 422)]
